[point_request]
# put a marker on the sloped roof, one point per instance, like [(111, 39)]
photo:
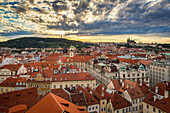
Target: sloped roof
[(24, 96), (12, 67), (91, 100), (119, 102), (62, 93), (162, 87), (11, 82), (52, 103), (162, 104)]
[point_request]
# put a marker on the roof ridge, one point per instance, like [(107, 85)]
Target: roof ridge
[(56, 100)]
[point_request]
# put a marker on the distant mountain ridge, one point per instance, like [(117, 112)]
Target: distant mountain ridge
[(36, 42)]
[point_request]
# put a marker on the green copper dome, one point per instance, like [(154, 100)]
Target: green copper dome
[(141, 67)]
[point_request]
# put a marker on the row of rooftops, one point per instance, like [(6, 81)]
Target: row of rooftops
[(82, 96)]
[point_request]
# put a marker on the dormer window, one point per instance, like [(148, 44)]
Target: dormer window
[(17, 83)]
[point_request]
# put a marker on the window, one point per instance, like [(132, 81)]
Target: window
[(87, 85), (6, 89), (89, 108), (153, 109), (43, 86), (147, 106), (136, 108), (123, 110), (66, 86), (136, 101), (123, 75), (1, 89), (103, 102), (117, 111), (96, 107), (48, 86), (11, 89), (128, 75), (60, 86), (92, 108), (126, 109), (108, 110), (129, 109), (133, 108), (54, 86), (159, 111)]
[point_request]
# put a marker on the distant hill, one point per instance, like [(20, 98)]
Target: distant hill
[(36, 42)]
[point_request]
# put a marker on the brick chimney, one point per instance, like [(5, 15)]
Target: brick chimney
[(166, 94)]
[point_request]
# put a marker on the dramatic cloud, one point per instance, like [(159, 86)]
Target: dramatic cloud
[(85, 17)]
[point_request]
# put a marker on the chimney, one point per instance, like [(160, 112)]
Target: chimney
[(156, 89), (103, 94), (166, 94), (155, 97), (103, 88), (123, 84), (90, 92)]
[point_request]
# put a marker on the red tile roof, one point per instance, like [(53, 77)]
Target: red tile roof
[(12, 67), (119, 102), (73, 77), (162, 104), (52, 103), (91, 100), (62, 93), (12, 82), (162, 87), (24, 96), (133, 90), (18, 109)]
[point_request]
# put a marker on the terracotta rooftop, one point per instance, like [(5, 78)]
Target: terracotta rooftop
[(52, 103), (162, 87), (12, 67), (162, 104), (119, 102), (91, 100), (14, 82), (24, 96)]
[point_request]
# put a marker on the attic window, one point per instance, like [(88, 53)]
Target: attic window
[(67, 105), (137, 92), (81, 109), (164, 102), (81, 100), (6, 97), (150, 99), (18, 94), (132, 94), (92, 100), (29, 92)]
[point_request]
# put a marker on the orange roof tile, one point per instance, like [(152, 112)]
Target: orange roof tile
[(52, 103)]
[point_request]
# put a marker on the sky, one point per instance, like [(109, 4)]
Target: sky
[(86, 20)]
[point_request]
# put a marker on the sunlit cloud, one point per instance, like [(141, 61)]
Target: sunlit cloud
[(85, 18)]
